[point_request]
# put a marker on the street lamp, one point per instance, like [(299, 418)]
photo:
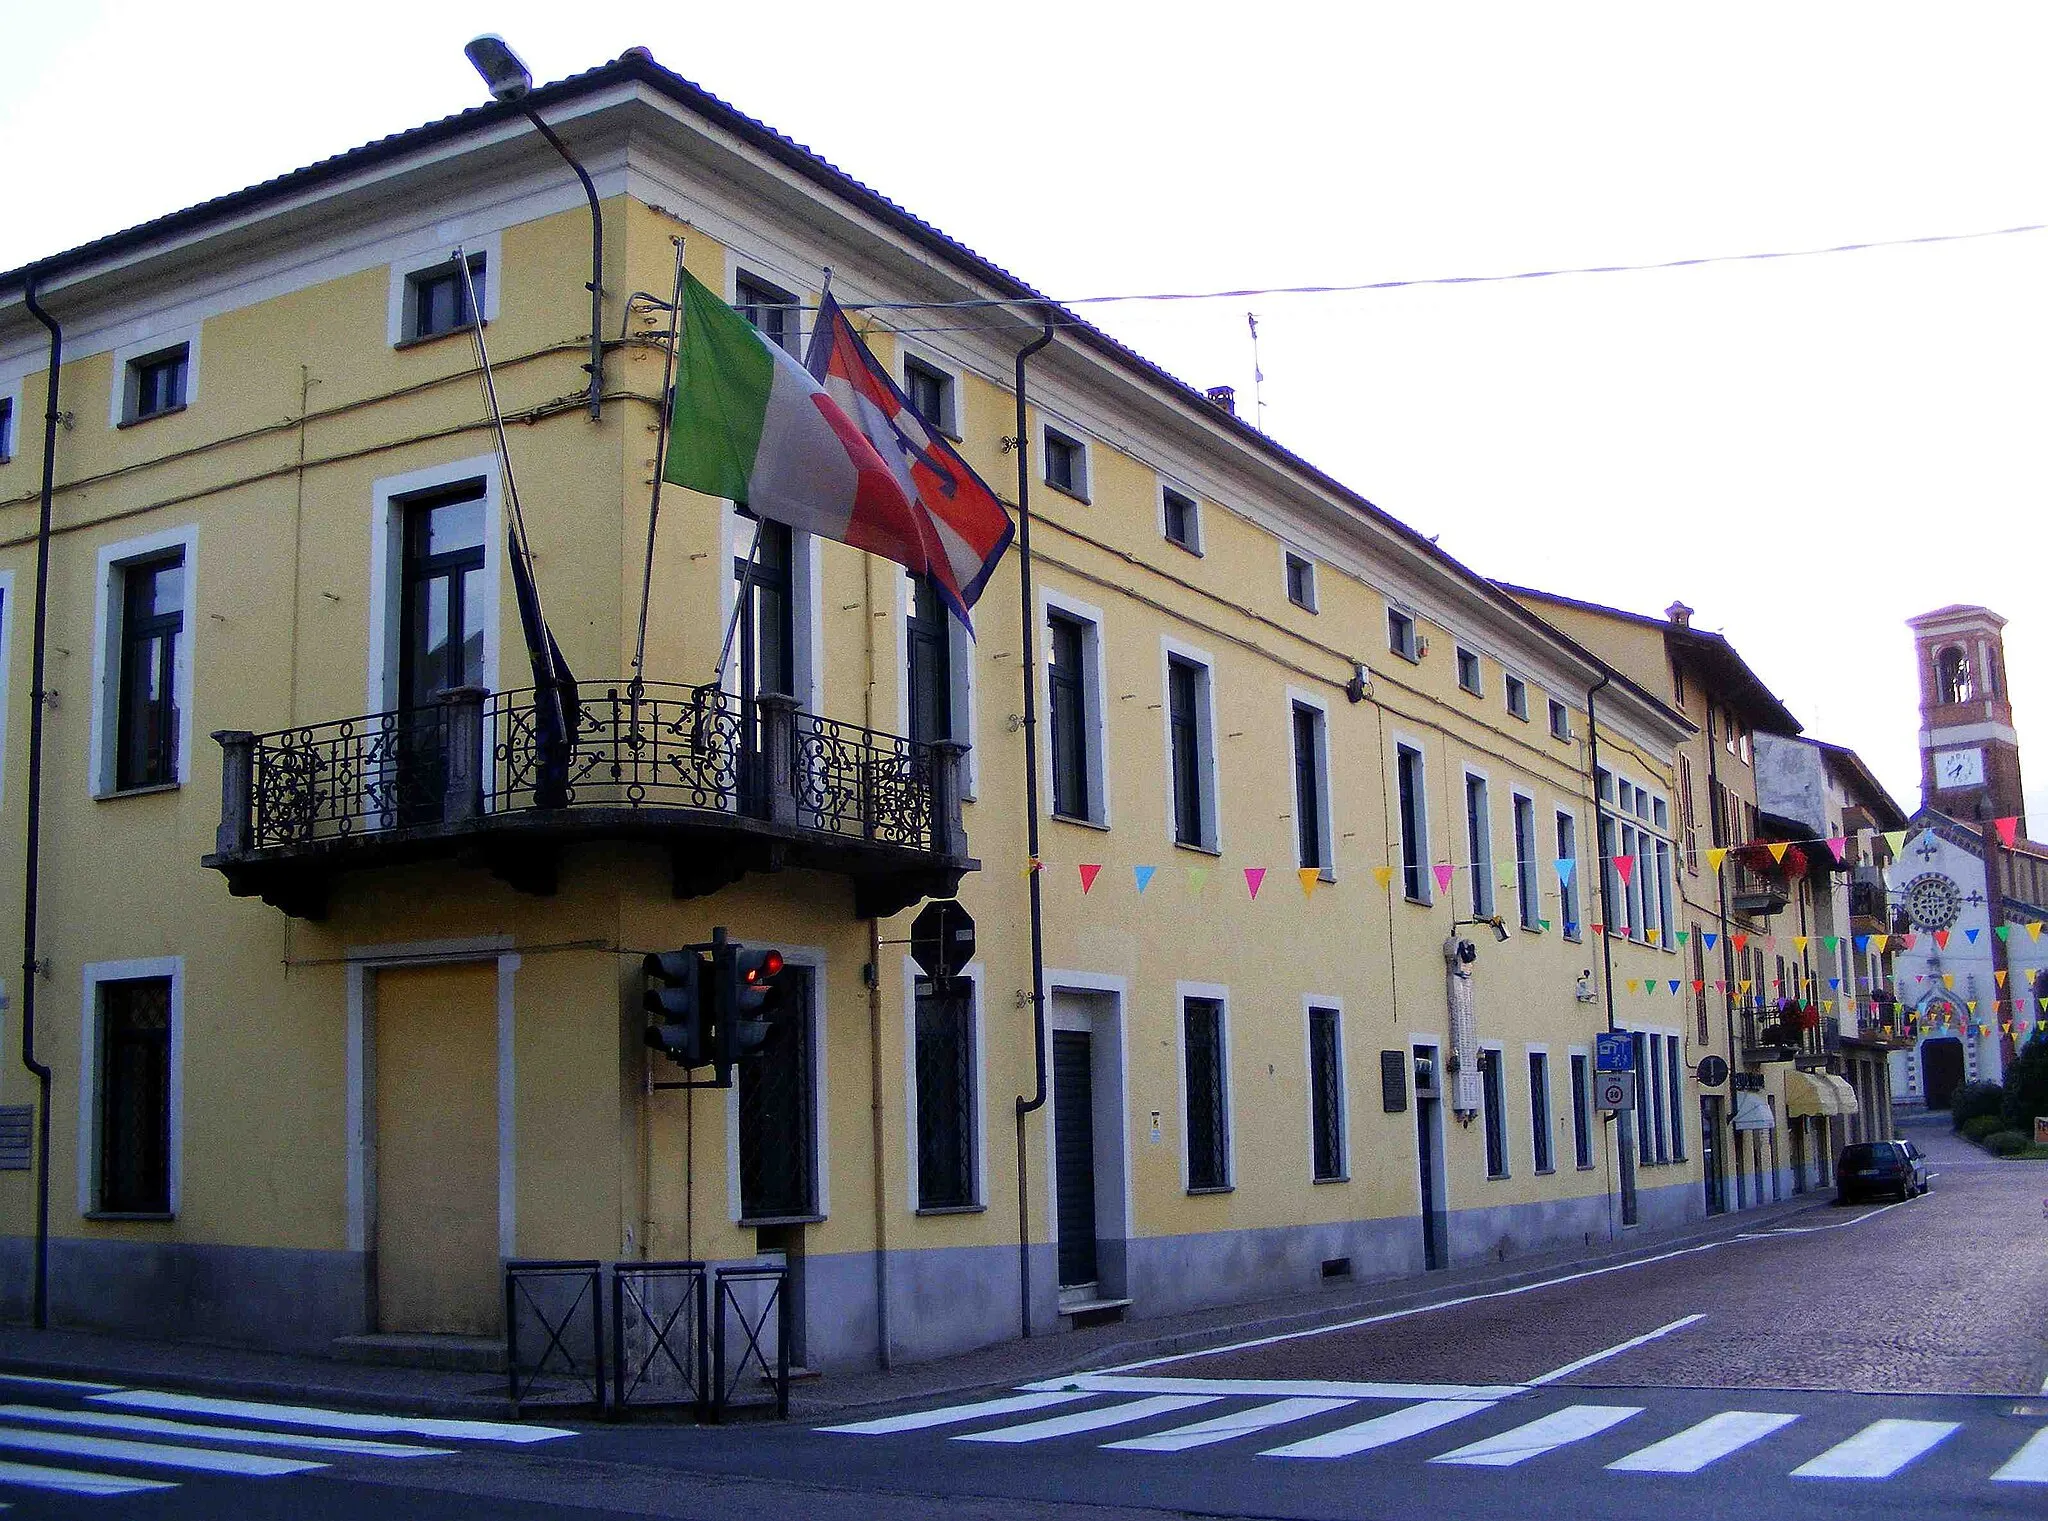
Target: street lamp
[(510, 82)]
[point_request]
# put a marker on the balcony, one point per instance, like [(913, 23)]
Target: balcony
[(1769, 1035), (1869, 905), (725, 787), (1753, 893)]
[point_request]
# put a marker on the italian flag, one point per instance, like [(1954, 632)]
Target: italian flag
[(750, 423)]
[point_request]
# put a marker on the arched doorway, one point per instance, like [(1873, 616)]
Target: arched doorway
[(1941, 1069)]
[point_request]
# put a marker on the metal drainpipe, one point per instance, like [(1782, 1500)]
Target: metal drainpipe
[(1622, 1134), (1724, 831), (1029, 663), (596, 365), (30, 882)]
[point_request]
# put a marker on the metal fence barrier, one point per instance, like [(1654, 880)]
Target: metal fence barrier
[(661, 1354), (753, 1302), (558, 1306)]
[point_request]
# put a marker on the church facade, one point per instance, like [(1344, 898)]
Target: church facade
[(1969, 895)]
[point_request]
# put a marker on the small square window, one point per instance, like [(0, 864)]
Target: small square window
[(6, 429), (772, 311), (156, 383), (1301, 581), (437, 299), (1066, 464), (1180, 520), (930, 391), (1560, 720), (1401, 635), (1468, 672), (1518, 696)]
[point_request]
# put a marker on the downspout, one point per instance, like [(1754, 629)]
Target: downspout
[(1723, 831), (1028, 632), (30, 883), (1623, 1135)]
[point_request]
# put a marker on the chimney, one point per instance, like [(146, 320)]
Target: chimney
[(1679, 614), (1224, 397)]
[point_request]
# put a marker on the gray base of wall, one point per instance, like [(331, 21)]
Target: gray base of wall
[(272, 1297)]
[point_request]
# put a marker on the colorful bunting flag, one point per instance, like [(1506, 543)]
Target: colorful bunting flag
[(1895, 842), (1999, 977), (1878, 943), (1198, 878), (1799, 942), (1709, 937), (1089, 871), (1625, 867), (1683, 936), (1941, 940), (1970, 935), (1634, 985), (1565, 867), (2034, 931), (1383, 875), (1310, 876), (1142, 876), (2008, 830), (1741, 943), (1674, 985), (1443, 871), (1716, 854), (1829, 942), (2003, 932), (1838, 845), (1254, 876), (1777, 849)]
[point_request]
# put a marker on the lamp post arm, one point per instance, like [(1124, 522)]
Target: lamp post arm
[(596, 364)]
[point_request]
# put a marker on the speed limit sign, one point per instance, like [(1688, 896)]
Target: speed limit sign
[(1615, 1090)]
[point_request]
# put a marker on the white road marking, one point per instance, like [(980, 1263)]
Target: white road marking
[(1544, 1434), (332, 1420), (1222, 1428), (1614, 1351), (1381, 1430), (204, 1460), (1711, 1440), (56, 1383), (2030, 1464), (1090, 1420), (1878, 1451), (73, 1481), (107, 1420), (952, 1414), (1112, 1383)]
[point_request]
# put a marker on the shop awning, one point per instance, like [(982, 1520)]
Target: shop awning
[(1807, 1093), (1845, 1092), (1752, 1113)]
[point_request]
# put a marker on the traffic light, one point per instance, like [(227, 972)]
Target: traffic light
[(747, 1022), (676, 997)]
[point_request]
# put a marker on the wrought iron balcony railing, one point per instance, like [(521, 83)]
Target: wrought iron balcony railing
[(1755, 893), (730, 786)]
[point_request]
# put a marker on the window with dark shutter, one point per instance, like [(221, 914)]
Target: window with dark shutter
[(1494, 1098), (1582, 1116), (1067, 688), (1207, 1110), (929, 651), (1414, 828), (135, 1096), (1326, 1094), (1539, 1110), (945, 1100), (1184, 692), (1309, 789), (152, 626)]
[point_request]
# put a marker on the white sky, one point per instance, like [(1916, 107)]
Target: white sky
[(1807, 451)]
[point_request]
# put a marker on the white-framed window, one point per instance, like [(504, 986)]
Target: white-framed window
[(1479, 844), (777, 1163), (777, 314), (1065, 463), (154, 376), (1412, 784), (943, 1068), (1582, 1109), (144, 602), (131, 1087), (1468, 672), (1517, 694), (935, 653), (1077, 720), (1299, 573), (1633, 833), (1674, 1070), (1207, 1159), (424, 295), (1402, 637), (1568, 882), (1188, 681), (1493, 1100), (1560, 720), (10, 421), (1542, 1151), (933, 390), (1180, 518), (1328, 1114), (1528, 889), (1309, 728), (402, 556)]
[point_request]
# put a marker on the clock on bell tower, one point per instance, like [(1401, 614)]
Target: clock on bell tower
[(1969, 750)]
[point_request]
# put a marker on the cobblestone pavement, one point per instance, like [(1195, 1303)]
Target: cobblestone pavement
[(1946, 1294)]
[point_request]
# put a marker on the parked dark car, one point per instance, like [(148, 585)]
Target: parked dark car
[(1869, 1168)]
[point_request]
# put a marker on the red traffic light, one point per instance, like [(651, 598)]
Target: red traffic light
[(770, 965)]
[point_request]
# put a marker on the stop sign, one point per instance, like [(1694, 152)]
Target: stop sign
[(942, 939)]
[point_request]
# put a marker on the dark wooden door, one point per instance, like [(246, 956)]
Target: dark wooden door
[(1941, 1069), (1073, 1130)]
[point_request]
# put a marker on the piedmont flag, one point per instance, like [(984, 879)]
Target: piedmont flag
[(965, 526), (751, 424)]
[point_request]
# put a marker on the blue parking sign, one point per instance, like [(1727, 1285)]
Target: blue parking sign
[(1614, 1051)]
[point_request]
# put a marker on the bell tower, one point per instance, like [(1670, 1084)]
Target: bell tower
[(1969, 750)]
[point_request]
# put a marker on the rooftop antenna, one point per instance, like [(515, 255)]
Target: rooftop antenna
[(1251, 320)]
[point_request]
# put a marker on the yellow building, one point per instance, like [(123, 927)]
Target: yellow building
[(339, 1017)]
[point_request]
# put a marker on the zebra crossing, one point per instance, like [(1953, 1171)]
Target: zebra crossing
[(1303, 1421), (106, 1440)]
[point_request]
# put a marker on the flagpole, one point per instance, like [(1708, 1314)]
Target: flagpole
[(483, 361), (668, 369)]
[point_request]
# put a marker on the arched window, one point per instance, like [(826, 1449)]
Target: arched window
[(1952, 675), (1990, 670)]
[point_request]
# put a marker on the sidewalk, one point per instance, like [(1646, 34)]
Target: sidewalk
[(236, 1373)]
